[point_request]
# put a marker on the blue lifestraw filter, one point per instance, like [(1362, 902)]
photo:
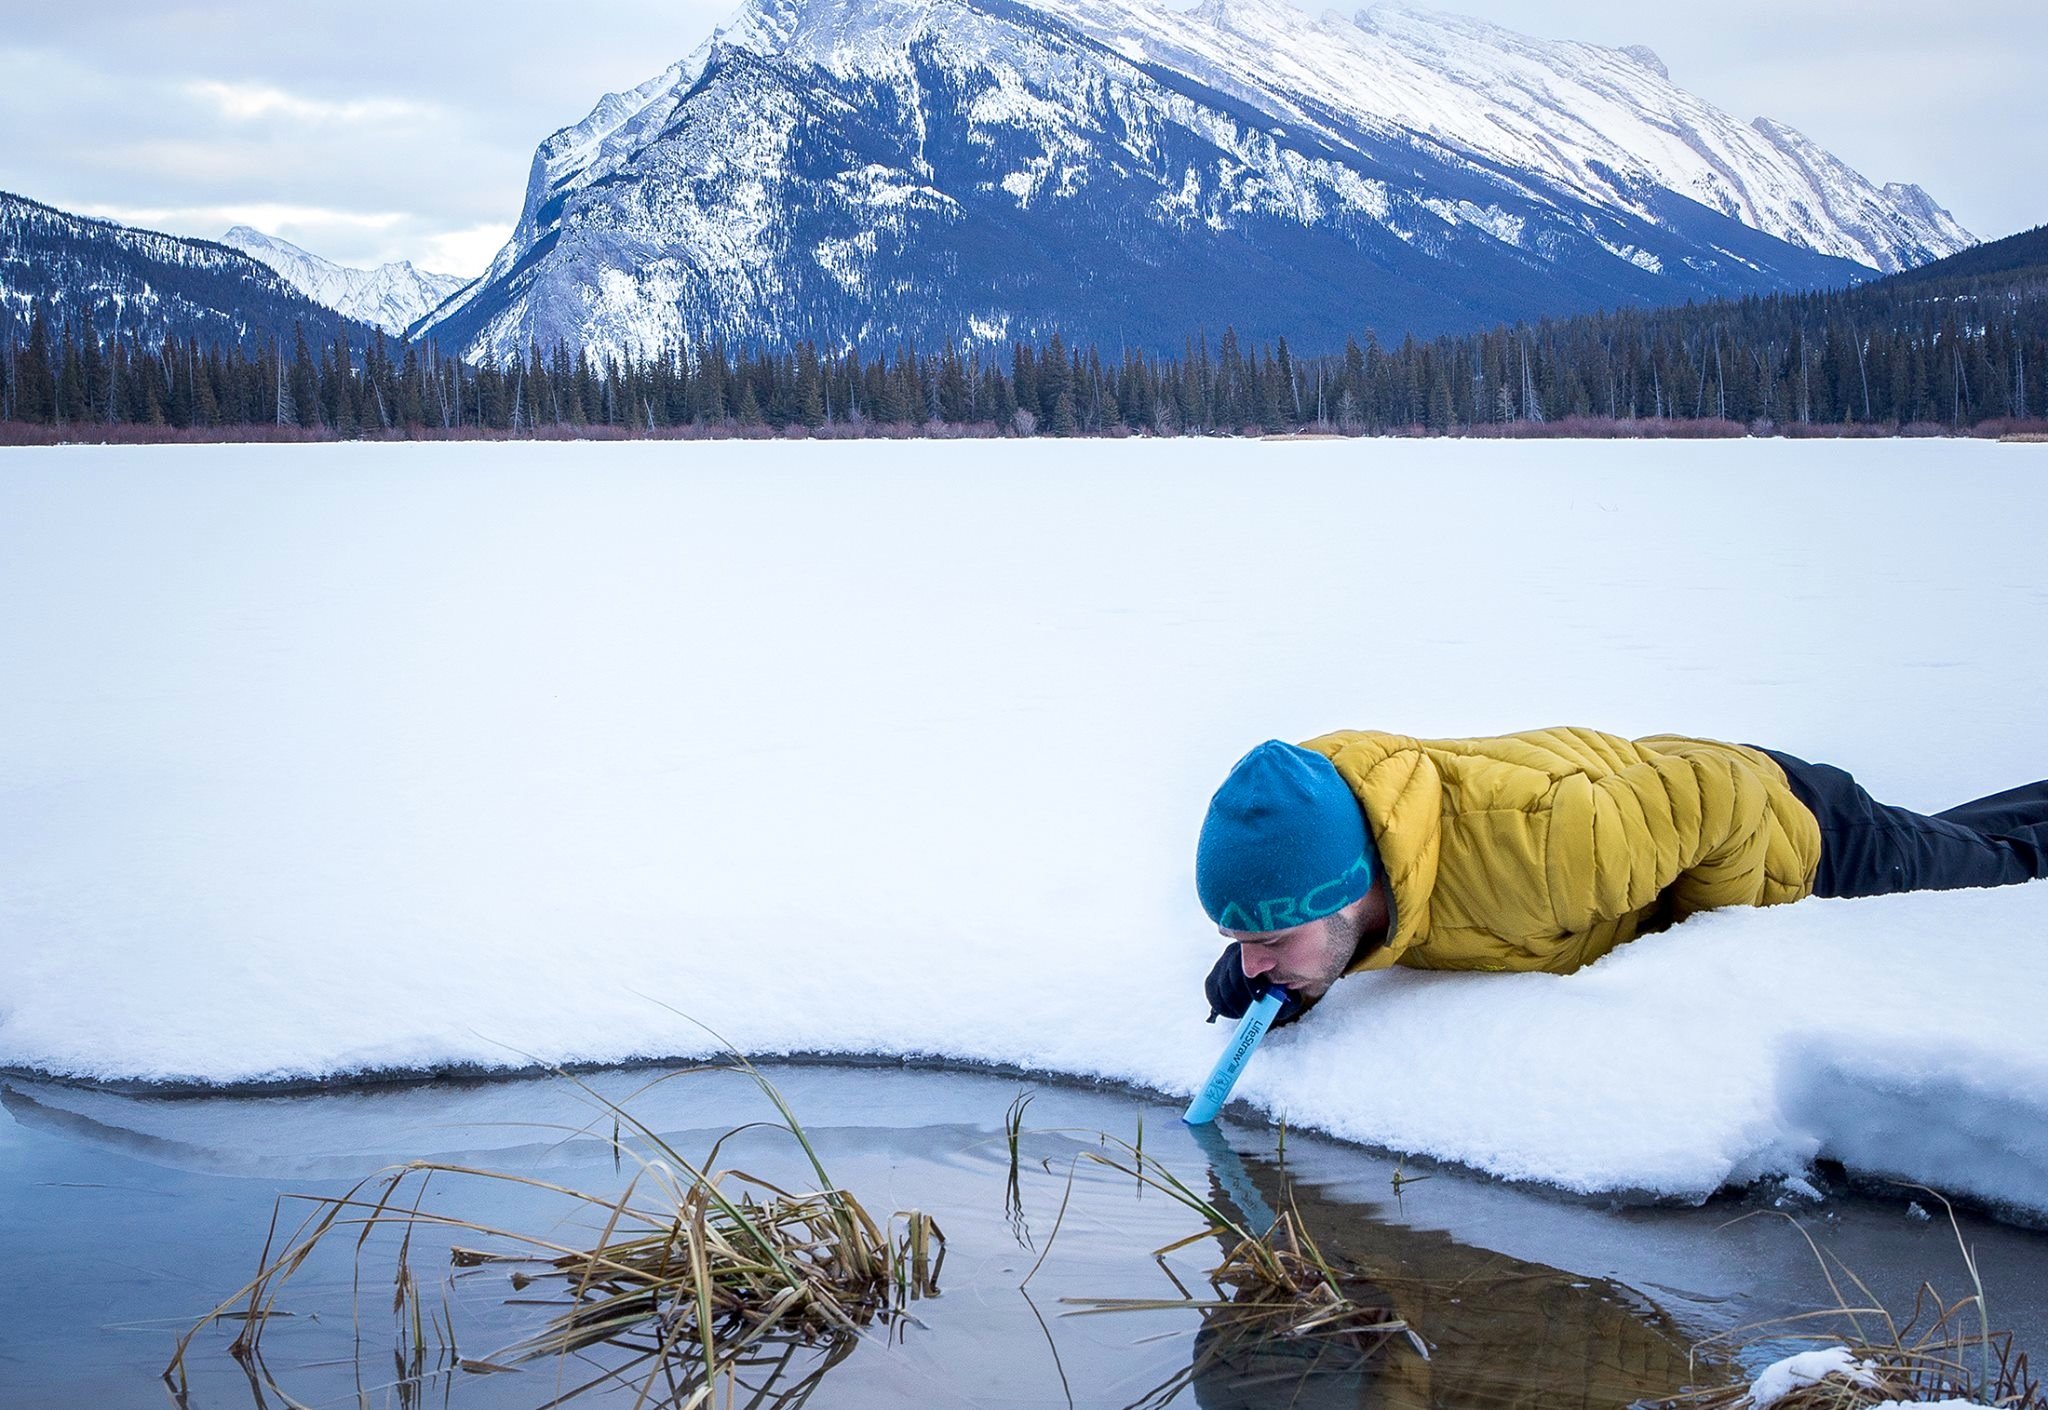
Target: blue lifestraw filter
[(1230, 1066)]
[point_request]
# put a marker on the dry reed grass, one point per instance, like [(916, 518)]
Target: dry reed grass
[(1935, 1354), (700, 1271)]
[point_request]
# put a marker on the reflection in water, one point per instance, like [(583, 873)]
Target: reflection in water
[(1499, 1332)]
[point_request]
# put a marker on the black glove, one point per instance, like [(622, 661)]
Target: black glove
[(1231, 993)]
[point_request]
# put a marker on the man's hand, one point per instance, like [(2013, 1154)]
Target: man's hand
[(1231, 993)]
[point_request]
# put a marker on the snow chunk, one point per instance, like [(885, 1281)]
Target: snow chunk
[(1926, 1104), (1781, 1378)]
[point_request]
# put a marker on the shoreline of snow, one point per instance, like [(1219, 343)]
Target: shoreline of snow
[(1860, 1182), (465, 1074)]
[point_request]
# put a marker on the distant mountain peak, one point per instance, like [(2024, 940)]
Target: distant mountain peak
[(1909, 197), (1647, 57), (1222, 11), (392, 296)]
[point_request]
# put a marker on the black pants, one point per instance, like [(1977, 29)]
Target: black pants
[(1868, 848)]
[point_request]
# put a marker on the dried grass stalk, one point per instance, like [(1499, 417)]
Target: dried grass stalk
[(699, 1269), (1943, 1351)]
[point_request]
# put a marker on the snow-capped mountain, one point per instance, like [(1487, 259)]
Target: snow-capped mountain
[(1601, 124), (868, 171), (146, 284), (392, 296)]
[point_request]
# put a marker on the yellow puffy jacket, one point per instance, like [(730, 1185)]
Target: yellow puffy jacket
[(1545, 850)]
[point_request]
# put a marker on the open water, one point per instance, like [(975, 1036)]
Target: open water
[(136, 1214)]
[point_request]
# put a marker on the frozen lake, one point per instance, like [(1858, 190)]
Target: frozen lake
[(331, 759)]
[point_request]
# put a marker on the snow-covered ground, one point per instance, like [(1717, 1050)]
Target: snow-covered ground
[(316, 760)]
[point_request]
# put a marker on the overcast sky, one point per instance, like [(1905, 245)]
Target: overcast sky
[(377, 131)]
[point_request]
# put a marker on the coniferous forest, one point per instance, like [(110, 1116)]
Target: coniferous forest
[(1956, 346)]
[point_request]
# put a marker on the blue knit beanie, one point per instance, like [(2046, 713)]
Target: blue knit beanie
[(1284, 842)]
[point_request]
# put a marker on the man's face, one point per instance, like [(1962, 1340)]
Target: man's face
[(1305, 960)]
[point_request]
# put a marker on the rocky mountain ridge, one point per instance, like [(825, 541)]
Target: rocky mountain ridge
[(873, 171)]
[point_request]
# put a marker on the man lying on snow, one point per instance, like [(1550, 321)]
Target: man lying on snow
[(1543, 851)]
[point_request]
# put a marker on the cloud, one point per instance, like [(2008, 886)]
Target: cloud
[(361, 239), (252, 102), (361, 182), (268, 217), (465, 252)]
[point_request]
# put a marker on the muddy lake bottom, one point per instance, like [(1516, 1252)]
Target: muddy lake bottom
[(125, 1218)]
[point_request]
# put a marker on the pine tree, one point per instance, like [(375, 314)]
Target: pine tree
[(36, 395), (1055, 380), (301, 398), (1266, 405), (1441, 414), (92, 366), (150, 391), (952, 386), (810, 387), (71, 405), (181, 378), (1063, 421), (205, 397)]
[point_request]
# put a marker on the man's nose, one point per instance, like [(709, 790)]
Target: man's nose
[(1256, 960)]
